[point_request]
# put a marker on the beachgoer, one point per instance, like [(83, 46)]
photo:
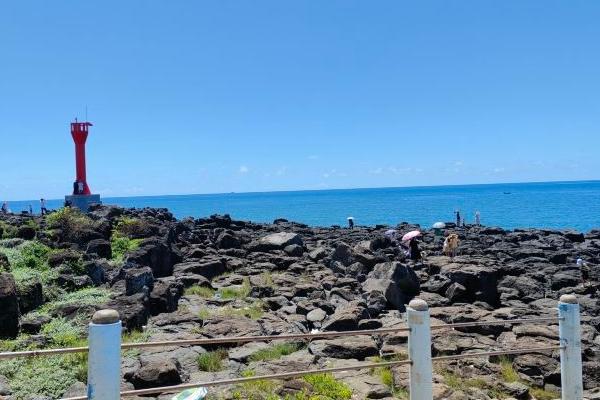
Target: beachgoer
[(583, 270), (451, 245), (80, 187), (5, 208), (30, 210), (413, 250), (477, 218), (457, 217), (351, 223), (43, 208)]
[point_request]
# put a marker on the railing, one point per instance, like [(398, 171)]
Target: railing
[(104, 361)]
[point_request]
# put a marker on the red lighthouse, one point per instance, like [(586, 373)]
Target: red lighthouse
[(79, 132), (82, 197)]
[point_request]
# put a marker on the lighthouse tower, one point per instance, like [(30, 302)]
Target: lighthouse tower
[(82, 197)]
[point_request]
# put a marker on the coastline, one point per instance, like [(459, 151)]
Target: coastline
[(214, 276)]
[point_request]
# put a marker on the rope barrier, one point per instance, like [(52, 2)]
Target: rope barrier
[(497, 353), (225, 382), (494, 322), (247, 339), (287, 375)]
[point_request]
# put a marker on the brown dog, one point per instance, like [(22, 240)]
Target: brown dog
[(451, 245)]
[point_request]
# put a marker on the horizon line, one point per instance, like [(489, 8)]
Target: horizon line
[(333, 189)]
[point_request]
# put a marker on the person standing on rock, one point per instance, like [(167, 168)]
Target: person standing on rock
[(477, 218), (457, 218), (43, 208), (350, 222), (5, 208), (414, 252)]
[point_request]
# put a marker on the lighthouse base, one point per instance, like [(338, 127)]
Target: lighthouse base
[(82, 201)]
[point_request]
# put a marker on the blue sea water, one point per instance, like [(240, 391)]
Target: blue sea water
[(560, 205)]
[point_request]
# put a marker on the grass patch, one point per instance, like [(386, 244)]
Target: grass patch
[(326, 385), (275, 352), (242, 292), (508, 371), (202, 291), (50, 375), (542, 394), (81, 298), (134, 228), (29, 263), (212, 361), (252, 311)]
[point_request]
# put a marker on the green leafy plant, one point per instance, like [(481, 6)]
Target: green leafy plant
[(212, 361), (275, 351), (81, 298), (121, 245), (326, 385), (202, 291)]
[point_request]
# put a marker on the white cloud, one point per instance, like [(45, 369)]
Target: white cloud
[(498, 170), (313, 157), (243, 169), (376, 171), (459, 163)]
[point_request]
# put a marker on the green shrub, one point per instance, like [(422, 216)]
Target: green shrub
[(64, 333), (29, 263), (212, 361), (134, 228), (507, 371), (7, 231), (274, 352), (122, 245), (542, 394), (326, 385), (70, 221)]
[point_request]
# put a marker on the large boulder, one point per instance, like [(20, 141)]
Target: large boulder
[(227, 240), (208, 268), (158, 255), (358, 347), (346, 317), (165, 296), (157, 373), (396, 281), (138, 279), (30, 295), (100, 247), (9, 307), (276, 241), (134, 310)]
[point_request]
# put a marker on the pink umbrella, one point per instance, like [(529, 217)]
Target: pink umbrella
[(411, 235)]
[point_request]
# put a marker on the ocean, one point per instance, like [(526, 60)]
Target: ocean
[(557, 205)]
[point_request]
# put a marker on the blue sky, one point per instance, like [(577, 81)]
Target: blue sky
[(220, 96)]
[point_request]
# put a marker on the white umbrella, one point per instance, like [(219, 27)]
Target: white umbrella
[(349, 218), (439, 225), (410, 235)]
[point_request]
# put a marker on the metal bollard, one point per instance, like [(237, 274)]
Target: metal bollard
[(104, 357), (419, 349), (570, 354)]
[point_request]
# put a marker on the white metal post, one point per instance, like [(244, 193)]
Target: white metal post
[(104, 357), (570, 354), (419, 349)]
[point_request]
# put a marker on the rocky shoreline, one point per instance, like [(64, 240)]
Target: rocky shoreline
[(212, 277)]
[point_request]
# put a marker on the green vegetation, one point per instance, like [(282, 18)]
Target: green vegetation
[(81, 298), (50, 375), (122, 245), (507, 370), (227, 293), (202, 291), (7, 231), (275, 352), (212, 361), (326, 385), (233, 292), (386, 374), (70, 223), (252, 311), (29, 263), (133, 228), (542, 394)]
